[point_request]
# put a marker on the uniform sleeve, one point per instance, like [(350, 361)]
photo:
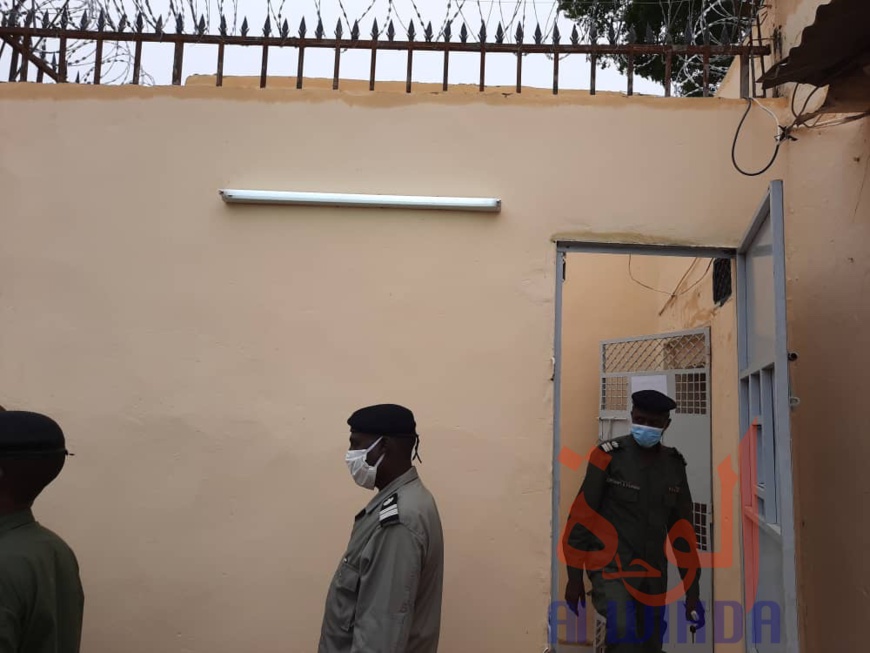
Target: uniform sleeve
[(580, 536), (389, 575), (9, 633), (683, 510)]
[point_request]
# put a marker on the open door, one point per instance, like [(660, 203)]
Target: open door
[(767, 517)]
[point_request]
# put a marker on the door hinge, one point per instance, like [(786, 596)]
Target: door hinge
[(564, 265)]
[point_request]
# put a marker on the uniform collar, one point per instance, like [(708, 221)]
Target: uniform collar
[(404, 479), (15, 519)]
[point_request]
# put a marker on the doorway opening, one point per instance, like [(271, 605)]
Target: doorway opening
[(630, 318)]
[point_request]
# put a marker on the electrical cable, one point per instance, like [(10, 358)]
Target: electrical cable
[(668, 293), (783, 133)]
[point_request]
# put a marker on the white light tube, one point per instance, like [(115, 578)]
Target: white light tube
[(485, 204)]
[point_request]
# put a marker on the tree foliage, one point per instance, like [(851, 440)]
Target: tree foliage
[(718, 22)]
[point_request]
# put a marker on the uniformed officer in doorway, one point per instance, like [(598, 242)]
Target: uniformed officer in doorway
[(385, 596), (634, 493), (41, 597)]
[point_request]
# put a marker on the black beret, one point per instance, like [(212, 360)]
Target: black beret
[(26, 434), (653, 401), (384, 419)]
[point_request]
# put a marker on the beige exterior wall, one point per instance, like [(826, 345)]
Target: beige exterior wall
[(827, 201), (203, 359)]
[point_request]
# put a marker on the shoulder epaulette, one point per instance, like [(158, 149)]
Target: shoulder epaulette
[(679, 456), (389, 513), (609, 446)]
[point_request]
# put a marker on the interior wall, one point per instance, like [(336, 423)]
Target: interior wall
[(694, 308), (203, 359)]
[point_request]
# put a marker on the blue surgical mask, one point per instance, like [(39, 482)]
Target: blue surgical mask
[(646, 436)]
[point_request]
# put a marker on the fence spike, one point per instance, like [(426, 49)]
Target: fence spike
[(481, 35), (64, 16), (412, 32), (725, 39), (575, 36), (375, 31), (83, 25), (285, 29), (448, 32), (539, 36), (519, 35), (78, 78), (688, 36), (267, 27), (632, 35), (302, 28), (669, 37), (463, 33), (354, 31), (140, 22), (556, 35), (319, 31), (611, 34), (339, 30), (179, 24), (29, 18), (391, 31), (201, 27), (245, 27), (499, 34), (222, 28), (158, 29), (54, 61), (428, 32), (101, 20), (45, 20), (593, 33), (650, 35), (122, 24), (706, 35)]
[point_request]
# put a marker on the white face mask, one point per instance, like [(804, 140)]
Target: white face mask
[(363, 473)]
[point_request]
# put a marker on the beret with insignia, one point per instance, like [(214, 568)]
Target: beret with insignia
[(653, 401), (27, 434)]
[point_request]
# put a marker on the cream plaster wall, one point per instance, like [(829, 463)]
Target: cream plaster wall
[(203, 359)]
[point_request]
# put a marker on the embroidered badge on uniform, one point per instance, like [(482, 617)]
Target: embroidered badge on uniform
[(389, 513)]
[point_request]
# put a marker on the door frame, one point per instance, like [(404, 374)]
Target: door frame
[(563, 248)]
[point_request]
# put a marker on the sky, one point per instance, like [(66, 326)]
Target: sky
[(391, 66)]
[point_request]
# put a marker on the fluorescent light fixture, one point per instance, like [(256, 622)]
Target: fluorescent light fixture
[(486, 204)]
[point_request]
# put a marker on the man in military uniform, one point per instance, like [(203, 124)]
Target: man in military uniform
[(634, 497), (41, 598), (385, 596)]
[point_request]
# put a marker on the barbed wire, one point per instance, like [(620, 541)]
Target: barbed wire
[(208, 15)]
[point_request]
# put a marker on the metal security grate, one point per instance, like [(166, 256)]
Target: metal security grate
[(614, 393), (721, 280), (699, 517), (656, 354), (600, 639), (692, 393)]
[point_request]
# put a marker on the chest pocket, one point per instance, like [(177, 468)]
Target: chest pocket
[(623, 490), (672, 491), (345, 598)]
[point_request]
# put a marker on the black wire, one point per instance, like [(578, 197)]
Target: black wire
[(734, 147)]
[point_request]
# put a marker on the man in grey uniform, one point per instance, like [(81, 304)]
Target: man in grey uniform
[(41, 598), (385, 596)]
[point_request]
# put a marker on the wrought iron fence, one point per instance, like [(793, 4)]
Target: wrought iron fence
[(27, 34)]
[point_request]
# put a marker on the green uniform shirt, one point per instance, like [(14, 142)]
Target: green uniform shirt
[(642, 494), (385, 596), (41, 598)]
